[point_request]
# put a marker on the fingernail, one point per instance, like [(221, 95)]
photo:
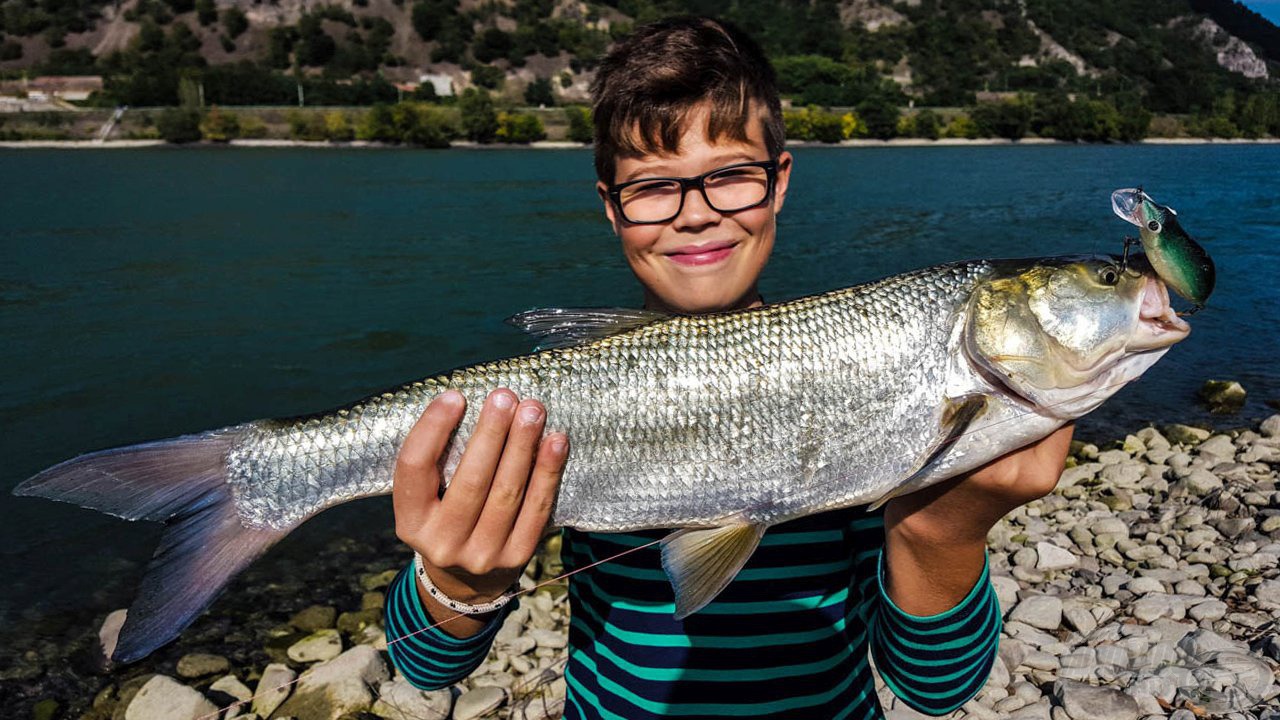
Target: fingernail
[(450, 397), (531, 414), (503, 401), (558, 445)]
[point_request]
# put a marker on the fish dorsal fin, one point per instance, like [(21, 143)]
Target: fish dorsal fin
[(955, 420), (700, 562), (562, 327)]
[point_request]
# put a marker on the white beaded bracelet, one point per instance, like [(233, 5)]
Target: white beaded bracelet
[(455, 605)]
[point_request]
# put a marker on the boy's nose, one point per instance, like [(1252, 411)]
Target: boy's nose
[(696, 212)]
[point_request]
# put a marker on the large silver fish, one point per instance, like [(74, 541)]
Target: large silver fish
[(717, 425)]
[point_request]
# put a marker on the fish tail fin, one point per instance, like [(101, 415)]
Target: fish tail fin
[(183, 482)]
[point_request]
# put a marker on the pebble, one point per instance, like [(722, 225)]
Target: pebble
[(398, 700), (313, 618), (1039, 611), (163, 698), (273, 689), (1052, 557), (197, 665), (1088, 702)]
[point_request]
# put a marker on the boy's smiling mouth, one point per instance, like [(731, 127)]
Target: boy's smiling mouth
[(702, 254)]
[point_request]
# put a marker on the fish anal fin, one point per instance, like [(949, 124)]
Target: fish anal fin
[(564, 327), (700, 562), (957, 415)]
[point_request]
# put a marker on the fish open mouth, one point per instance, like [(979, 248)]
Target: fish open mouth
[(1158, 325)]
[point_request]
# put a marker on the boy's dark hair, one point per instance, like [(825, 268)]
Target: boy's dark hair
[(647, 85)]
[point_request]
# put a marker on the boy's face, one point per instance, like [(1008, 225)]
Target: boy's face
[(702, 260)]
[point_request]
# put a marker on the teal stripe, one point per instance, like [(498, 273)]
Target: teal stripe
[(867, 523), (718, 675), (703, 709), (720, 607), (970, 605), (984, 648), (591, 697), (913, 696), (454, 647), (685, 640), (951, 644)]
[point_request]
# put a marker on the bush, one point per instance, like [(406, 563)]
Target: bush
[(10, 50), (487, 76), (798, 124), (881, 117), (580, 128), (519, 128), (179, 125), (219, 125), (235, 22), (479, 119), (206, 12), (1011, 120), (926, 125), (252, 126), (304, 125), (336, 127), (826, 127), (851, 126), (408, 122), (961, 126)]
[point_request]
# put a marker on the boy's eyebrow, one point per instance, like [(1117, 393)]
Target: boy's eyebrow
[(663, 170)]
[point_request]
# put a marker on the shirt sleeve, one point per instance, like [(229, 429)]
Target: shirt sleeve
[(936, 663), (428, 657)]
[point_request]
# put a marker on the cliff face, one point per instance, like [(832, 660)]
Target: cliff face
[(1233, 53)]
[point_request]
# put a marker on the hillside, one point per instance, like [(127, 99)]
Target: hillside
[(1166, 56)]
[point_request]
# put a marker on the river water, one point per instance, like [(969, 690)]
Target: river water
[(149, 293)]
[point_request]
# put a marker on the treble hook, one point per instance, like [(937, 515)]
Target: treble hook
[(1124, 259)]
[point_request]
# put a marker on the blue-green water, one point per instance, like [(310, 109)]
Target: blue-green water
[(145, 294)]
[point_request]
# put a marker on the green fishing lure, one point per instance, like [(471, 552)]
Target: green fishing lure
[(1180, 261)]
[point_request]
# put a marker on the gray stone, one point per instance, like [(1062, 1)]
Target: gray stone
[(232, 686), (337, 687), (398, 700), (1039, 611), (1080, 619), (1268, 591), (478, 702), (1203, 641), (1006, 591), (1152, 607), (1052, 557), (197, 665), (1087, 702), (1270, 427), (1219, 445), (164, 698), (1145, 586), (549, 638), (318, 646), (1200, 482), (1151, 438), (273, 688), (1185, 434)]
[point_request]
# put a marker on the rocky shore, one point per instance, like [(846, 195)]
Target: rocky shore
[(1146, 586)]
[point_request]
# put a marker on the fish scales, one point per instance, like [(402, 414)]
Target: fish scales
[(763, 415)]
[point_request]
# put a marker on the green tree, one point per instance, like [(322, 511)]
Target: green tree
[(491, 45), (487, 76), (580, 128), (478, 116), (179, 125), (927, 125), (519, 128), (206, 12), (539, 93), (881, 117), (377, 125), (1009, 119)]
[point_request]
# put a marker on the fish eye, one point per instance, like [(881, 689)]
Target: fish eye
[(1153, 225), (1109, 275)]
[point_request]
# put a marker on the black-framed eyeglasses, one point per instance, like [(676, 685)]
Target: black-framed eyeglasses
[(650, 201)]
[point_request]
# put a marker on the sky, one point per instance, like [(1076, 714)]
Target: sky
[(1269, 9)]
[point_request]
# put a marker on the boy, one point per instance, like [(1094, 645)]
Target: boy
[(692, 173)]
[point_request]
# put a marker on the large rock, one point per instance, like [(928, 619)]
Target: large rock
[(316, 617), (1039, 611), (340, 686), (1087, 702), (478, 702), (398, 700), (319, 645), (273, 687), (1186, 434), (1222, 396), (164, 698)]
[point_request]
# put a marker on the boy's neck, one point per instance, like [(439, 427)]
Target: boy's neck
[(749, 299)]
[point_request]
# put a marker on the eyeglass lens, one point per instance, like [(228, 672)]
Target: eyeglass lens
[(726, 191)]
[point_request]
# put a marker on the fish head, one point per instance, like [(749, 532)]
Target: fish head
[(1064, 334)]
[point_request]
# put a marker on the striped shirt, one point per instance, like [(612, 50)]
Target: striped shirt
[(789, 637)]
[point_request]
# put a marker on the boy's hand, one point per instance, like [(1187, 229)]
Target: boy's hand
[(935, 539), (476, 540)]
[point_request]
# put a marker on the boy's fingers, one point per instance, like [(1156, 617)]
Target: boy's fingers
[(539, 499), (507, 492), (416, 481), (469, 486)]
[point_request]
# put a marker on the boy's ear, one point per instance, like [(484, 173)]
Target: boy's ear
[(782, 181), (609, 211)]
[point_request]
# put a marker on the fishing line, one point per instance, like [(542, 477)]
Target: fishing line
[(556, 580)]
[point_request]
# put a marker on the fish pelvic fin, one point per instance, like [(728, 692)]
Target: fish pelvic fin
[(956, 418), (183, 482), (700, 562), (565, 327)]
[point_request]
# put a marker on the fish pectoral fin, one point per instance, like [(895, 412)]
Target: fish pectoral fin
[(563, 327), (700, 562), (956, 418)]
